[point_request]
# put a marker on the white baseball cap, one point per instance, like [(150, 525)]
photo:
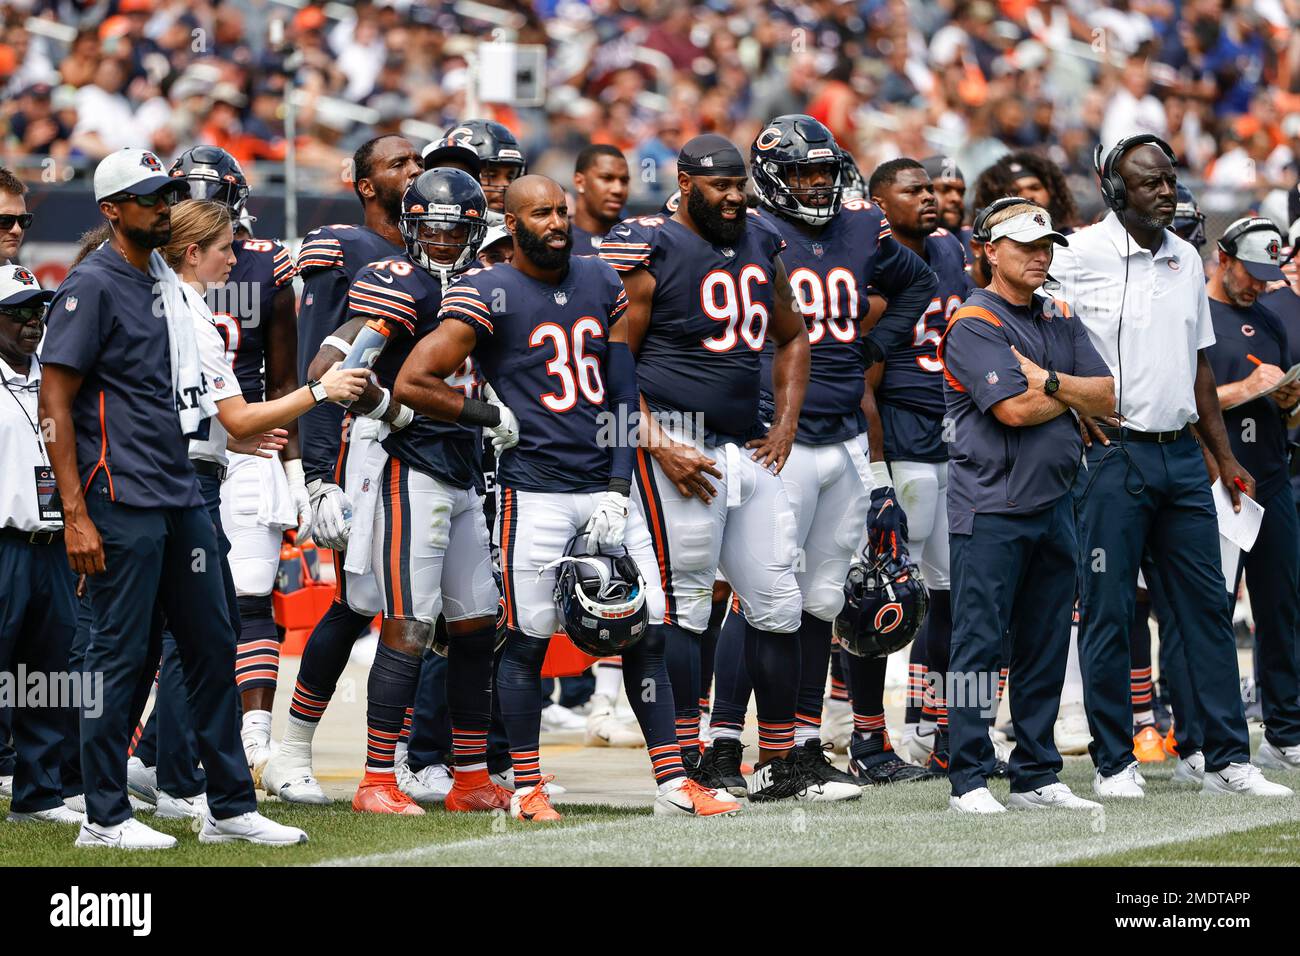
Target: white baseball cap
[(1259, 248), (494, 235), (1027, 227), (18, 286), (138, 172)]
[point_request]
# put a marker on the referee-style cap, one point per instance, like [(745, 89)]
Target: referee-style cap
[(1027, 227), (137, 172), (710, 155), (494, 235), (18, 286)]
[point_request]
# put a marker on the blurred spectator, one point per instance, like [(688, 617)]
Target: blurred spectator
[(1132, 108), (1032, 177), (38, 131), (106, 119)]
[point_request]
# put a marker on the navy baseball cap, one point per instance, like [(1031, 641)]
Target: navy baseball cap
[(710, 155), (447, 150), (18, 286)]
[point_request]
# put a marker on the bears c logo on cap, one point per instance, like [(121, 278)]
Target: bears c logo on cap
[(151, 162), (23, 276)]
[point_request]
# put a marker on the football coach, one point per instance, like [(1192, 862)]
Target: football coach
[(1017, 366), (1139, 290)]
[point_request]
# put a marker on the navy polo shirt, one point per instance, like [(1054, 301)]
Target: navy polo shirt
[(1256, 430), (104, 324), (994, 468)]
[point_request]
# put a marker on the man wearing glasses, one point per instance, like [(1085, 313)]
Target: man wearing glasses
[(120, 391), (15, 220)]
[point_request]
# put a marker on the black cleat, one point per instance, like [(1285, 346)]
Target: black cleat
[(879, 769), (722, 762), (812, 760), (778, 779), (937, 764)]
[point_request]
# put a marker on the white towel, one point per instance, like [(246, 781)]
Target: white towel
[(180, 304)]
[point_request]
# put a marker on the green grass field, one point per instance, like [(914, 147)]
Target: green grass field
[(906, 825)]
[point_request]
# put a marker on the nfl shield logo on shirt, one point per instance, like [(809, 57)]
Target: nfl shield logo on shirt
[(70, 303), (991, 378), (560, 297), (219, 381), (365, 485), (817, 249), (728, 253), (307, 300)]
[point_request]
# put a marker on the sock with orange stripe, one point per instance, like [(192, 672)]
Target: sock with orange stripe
[(257, 654), (732, 687), (773, 661), (867, 681), (469, 700), (645, 675), (1140, 664), (839, 687), (519, 681), (936, 635), (390, 690), (682, 655), (814, 659), (916, 670)]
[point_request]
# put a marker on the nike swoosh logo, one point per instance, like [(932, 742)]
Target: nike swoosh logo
[(381, 276)]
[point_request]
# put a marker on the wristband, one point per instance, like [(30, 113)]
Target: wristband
[(404, 417), (620, 486), (385, 399), (334, 342), (880, 475), (479, 414)]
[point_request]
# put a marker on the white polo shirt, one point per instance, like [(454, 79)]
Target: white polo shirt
[(1165, 312), (218, 375), (22, 450)]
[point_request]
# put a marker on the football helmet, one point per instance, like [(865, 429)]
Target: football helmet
[(600, 597), (885, 602), (440, 200), (213, 175), (784, 145), (855, 187), (491, 141), (1189, 221)]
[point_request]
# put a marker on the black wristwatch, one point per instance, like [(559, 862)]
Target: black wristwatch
[(1052, 383), (318, 391)]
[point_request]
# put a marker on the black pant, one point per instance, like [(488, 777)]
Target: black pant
[(38, 619), (161, 563)]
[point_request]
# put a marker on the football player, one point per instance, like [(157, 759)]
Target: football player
[(905, 408), (600, 177), (261, 497), (547, 332), (419, 497), (501, 161), (950, 191), (835, 250), (332, 451)]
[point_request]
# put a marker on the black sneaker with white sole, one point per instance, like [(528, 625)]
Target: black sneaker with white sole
[(723, 758), (878, 769), (814, 762)]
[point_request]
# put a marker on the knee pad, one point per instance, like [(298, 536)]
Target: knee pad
[(778, 609), (440, 524), (693, 550), (918, 494)]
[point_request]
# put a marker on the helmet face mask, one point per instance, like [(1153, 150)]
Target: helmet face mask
[(444, 220), (600, 598), (213, 175), (885, 604), (785, 162)]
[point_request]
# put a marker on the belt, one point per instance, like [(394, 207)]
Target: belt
[(32, 537), (1128, 434), (209, 469)]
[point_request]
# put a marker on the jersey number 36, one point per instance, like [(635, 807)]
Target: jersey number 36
[(576, 370)]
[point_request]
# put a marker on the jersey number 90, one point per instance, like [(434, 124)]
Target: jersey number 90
[(830, 303)]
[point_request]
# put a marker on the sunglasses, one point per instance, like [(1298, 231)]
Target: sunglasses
[(24, 314), (171, 196), (7, 222)]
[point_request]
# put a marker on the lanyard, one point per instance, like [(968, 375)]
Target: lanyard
[(23, 408)]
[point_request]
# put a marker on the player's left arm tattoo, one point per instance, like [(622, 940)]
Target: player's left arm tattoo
[(282, 358), (789, 373), (1214, 434), (420, 384)]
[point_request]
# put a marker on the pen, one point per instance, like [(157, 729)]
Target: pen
[(1253, 359)]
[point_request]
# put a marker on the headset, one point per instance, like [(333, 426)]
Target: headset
[(981, 231), (1113, 191), (1233, 236)]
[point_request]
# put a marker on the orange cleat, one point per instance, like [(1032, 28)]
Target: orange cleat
[(533, 803), (1148, 745), (486, 797), (1171, 744), (378, 793), (694, 800)]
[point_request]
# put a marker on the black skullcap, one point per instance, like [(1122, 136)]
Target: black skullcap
[(710, 155)]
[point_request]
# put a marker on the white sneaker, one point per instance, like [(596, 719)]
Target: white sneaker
[(606, 730), (557, 719), (1190, 770), (290, 778), (978, 800), (431, 785), (258, 751), (1124, 784), (55, 814), (507, 780), (1002, 745), (1244, 779), (251, 827), (77, 804), (1056, 796), (141, 781), (181, 808), (1072, 733), (130, 834), (917, 744), (694, 801), (837, 724), (7, 787), (1277, 758)]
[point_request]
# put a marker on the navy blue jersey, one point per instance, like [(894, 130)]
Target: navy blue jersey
[(910, 395), (830, 272), (1256, 430), (329, 259), (243, 310), (1285, 304), (104, 324), (542, 348), (708, 321), (585, 243), (405, 297)]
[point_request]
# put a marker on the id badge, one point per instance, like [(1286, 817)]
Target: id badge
[(47, 494)]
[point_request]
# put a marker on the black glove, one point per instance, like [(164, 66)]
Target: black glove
[(886, 523)]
